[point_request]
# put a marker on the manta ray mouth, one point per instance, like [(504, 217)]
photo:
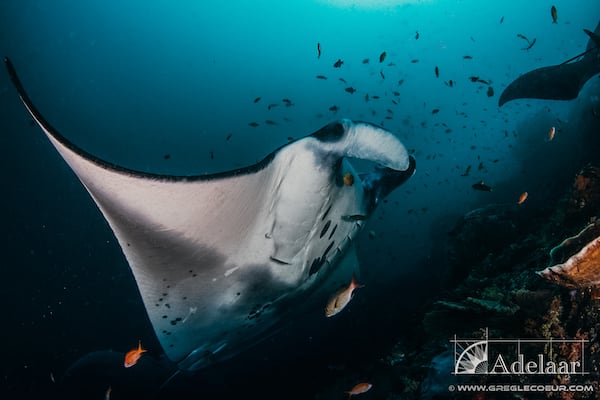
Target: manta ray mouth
[(219, 259)]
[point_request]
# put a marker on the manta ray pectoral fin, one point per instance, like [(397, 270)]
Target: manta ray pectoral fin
[(557, 82), (220, 260)]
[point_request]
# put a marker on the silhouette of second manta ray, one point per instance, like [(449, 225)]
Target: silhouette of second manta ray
[(222, 260), (558, 82)]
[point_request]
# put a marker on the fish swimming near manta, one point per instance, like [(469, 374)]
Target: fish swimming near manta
[(223, 260), (558, 82)]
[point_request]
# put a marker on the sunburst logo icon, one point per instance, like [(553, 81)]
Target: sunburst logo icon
[(471, 360)]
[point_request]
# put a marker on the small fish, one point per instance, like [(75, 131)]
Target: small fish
[(519, 35), (391, 64), (554, 14), (483, 81), (354, 217), (490, 91), (551, 133), (288, 102), (481, 186), (269, 122), (396, 93), (272, 105), (333, 108), (382, 57), (414, 60), (323, 77), (437, 72), (522, 198), (359, 389), (474, 78), (343, 81), (132, 356), (449, 83), (212, 155), (350, 90), (400, 82), (52, 377), (338, 63), (348, 179), (367, 97), (375, 97), (256, 100), (502, 19), (467, 57), (530, 44), (318, 50), (382, 75), (228, 137), (253, 124), (167, 156), (417, 35), (341, 299), (435, 111), (365, 61), (107, 393)]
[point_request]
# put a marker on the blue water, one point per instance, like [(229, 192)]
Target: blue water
[(134, 82)]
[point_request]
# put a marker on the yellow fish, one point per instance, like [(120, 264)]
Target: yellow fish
[(341, 298)]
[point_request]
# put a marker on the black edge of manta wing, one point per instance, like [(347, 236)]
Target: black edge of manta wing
[(14, 77), (29, 104)]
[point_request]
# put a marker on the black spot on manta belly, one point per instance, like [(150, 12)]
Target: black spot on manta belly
[(326, 213), (315, 266), (327, 250), (325, 228), (332, 231)]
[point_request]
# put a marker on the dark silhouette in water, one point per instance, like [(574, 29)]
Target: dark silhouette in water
[(558, 82)]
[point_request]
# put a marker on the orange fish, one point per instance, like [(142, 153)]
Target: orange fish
[(132, 356), (522, 198), (348, 179), (551, 133), (359, 388), (341, 298)]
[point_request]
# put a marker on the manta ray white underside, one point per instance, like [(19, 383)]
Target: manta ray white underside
[(220, 260)]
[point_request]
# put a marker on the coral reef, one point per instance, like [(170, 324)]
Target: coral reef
[(493, 253)]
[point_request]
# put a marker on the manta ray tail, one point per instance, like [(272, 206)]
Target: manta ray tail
[(558, 82)]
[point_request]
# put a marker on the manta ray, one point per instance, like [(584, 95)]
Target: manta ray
[(558, 82), (221, 260)]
